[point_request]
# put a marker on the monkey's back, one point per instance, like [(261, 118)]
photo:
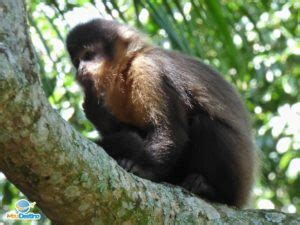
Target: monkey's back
[(219, 129), (197, 83)]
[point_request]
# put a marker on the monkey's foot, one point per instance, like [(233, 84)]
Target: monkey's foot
[(199, 185), (126, 164)]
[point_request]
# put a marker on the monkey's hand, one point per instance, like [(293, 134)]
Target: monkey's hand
[(130, 166)]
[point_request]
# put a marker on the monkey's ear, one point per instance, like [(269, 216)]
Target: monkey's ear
[(127, 34), (132, 39)]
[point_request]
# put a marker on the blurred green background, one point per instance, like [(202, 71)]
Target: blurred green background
[(254, 44)]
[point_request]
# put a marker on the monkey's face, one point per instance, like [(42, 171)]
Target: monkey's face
[(100, 47), (90, 46), (89, 62)]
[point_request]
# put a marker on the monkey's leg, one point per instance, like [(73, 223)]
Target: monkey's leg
[(199, 185), (157, 158)]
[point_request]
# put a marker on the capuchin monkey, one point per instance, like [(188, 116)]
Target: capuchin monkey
[(163, 116)]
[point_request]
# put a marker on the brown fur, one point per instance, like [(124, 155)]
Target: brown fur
[(163, 116), (131, 88)]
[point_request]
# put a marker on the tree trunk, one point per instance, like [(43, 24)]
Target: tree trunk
[(73, 180)]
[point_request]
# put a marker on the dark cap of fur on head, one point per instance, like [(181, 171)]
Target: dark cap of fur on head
[(94, 31)]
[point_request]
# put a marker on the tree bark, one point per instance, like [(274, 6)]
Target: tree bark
[(73, 180)]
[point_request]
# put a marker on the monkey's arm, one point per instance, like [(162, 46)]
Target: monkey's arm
[(163, 147), (99, 115), (122, 144)]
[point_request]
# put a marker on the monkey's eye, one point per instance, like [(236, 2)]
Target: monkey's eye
[(89, 55)]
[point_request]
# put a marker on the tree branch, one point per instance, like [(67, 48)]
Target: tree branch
[(73, 180)]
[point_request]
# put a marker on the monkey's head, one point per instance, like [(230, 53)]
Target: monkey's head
[(95, 46)]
